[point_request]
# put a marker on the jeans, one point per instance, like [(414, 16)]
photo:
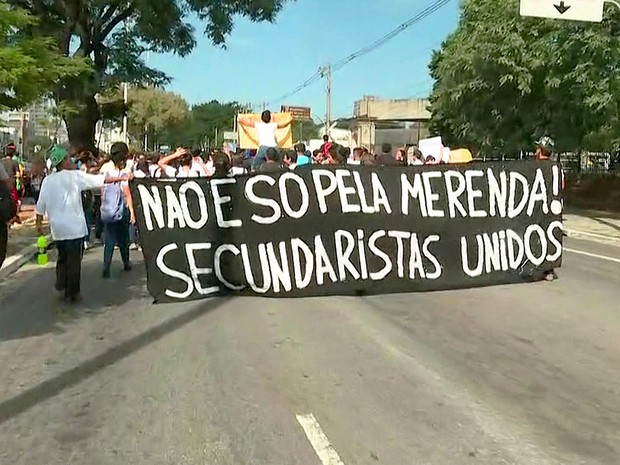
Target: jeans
[(69, 267), (133, 234), (4, 239), (97, 217), (90, 221), (116, 233), (261, 157)]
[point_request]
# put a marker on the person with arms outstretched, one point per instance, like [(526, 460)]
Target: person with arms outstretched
[(266, 135)]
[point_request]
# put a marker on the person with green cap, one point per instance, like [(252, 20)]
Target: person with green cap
[(61, 200)]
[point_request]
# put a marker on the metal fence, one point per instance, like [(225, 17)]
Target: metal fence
[(584, 162)]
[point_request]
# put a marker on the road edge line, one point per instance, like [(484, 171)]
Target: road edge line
[(577, 234), (592, 255)]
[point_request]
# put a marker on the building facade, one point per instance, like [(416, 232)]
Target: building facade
[(36, 120), (398, 122)]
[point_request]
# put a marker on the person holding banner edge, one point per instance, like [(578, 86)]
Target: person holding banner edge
[(266, 135), (544, 150)]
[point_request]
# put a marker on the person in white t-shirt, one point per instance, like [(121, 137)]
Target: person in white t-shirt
[(183, 161), (266, 130), (61, 200)]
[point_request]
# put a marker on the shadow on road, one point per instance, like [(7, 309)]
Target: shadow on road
[(48, 389), (605, 223), (29, 305)]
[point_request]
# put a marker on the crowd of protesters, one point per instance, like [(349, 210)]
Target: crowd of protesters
[(85, 193)]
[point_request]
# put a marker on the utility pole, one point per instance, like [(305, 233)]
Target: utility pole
[(23, 133), (327, 72), (125, 92)]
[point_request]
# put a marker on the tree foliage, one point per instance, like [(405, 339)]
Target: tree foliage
[(502, 80), (114, 34), (150, 110), (306, 130), (205, 122), (29, 66)]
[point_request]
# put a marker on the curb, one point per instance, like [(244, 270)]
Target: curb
[(15, 262), (602, 238)]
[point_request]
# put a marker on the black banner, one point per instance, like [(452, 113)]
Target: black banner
[(351, 230)]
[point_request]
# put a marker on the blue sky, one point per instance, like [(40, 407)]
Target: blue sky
[(265, 61)]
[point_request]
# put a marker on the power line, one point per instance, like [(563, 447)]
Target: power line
[(438, 4), (311, 80)]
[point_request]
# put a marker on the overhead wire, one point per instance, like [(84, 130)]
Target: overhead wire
[(432, 8), (435, 6)]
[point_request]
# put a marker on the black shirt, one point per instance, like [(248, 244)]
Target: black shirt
[(270, 167), (387, 160)]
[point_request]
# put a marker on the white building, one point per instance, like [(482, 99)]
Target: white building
[(106, 134), (37, 119)]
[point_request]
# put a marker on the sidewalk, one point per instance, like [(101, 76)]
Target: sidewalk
[(593, 225), (24, 234), (22, 244)]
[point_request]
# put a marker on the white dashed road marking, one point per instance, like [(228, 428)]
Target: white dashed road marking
[(319, 441)]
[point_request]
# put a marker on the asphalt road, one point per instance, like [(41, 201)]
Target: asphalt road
[(524, 374)]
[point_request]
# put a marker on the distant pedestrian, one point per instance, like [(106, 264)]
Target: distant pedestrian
[(60, 199), (367, 159), (303, 158), (290, 159), (221, 165), (272, 164), (326, 146), (8, 209), (386, 158), (238, 166), (37, 174), (356, 157), (180, 165), (544, 148), (414, 156)]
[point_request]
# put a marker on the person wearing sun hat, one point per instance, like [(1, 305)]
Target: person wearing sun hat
[(545, 147), (61, 200)]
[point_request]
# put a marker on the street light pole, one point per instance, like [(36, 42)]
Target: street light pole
[(125, 95), (328, 112)]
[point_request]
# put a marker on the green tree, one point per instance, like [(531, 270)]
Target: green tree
[(150, 111), (114, 34), (502, 80), (29, 66), (36, 145), (306, 130), (206, 121)]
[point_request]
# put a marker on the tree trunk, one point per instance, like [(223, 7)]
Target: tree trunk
[(82, 121)]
